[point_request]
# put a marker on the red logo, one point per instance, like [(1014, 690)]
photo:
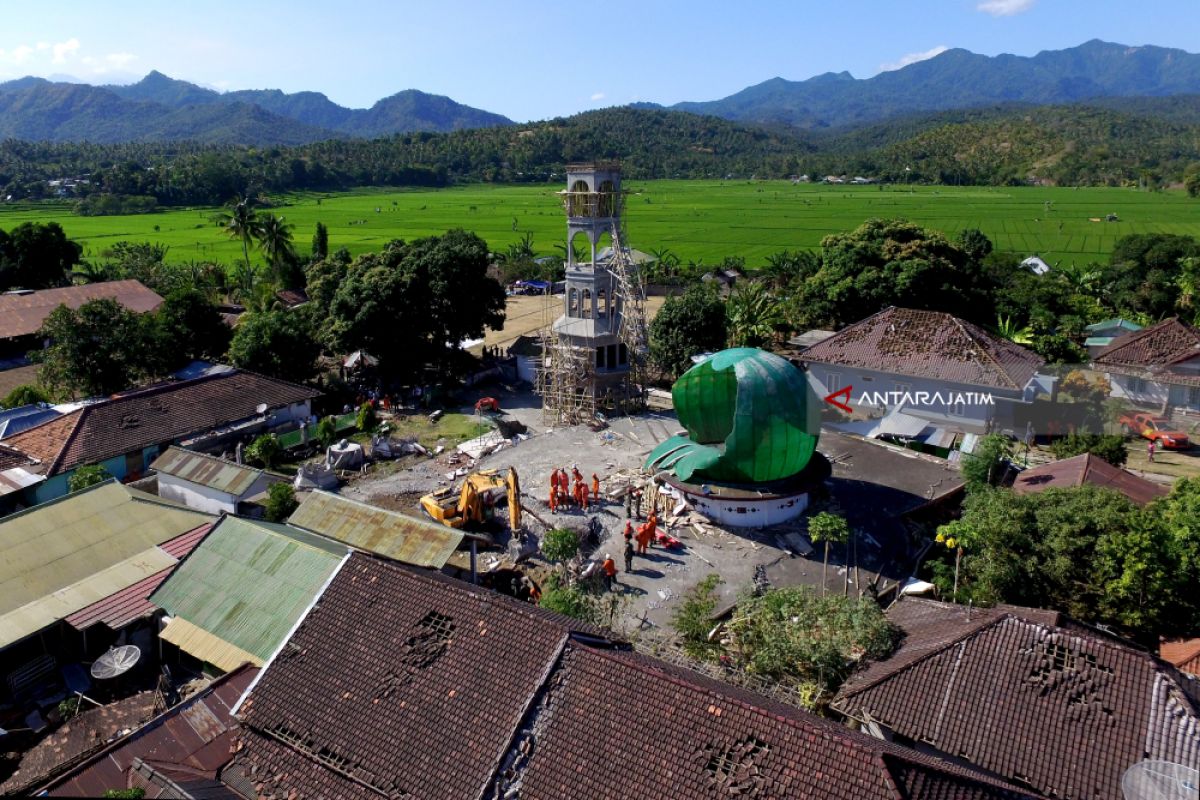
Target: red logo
[(844, 393)]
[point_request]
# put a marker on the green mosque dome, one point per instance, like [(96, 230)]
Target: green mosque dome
[(750, 416)]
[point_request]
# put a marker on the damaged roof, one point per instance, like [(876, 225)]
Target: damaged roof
[(1091, 470), (208, 471), (1154, 353), (22, 314), (157, 415), (928, 344), (1003, 690)]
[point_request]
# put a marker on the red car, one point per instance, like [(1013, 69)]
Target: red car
[(1157, 429)]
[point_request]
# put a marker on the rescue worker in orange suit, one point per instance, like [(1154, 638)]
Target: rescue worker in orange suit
[(643, 538), (554, 491), (581, 494), (608, 571), (575, 473), (628, 531), (595, 488)]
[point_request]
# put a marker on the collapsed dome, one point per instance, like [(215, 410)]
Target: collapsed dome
[(750, 416)]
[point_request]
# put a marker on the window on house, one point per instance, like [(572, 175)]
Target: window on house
[(1194, 397), (833, 381), (1137, 385), (957, 409)]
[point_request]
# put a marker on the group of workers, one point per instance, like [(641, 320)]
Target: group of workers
[(645, 535), (564, 494)]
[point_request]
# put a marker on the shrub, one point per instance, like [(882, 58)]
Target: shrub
[(573, 600), (693, 619), (560, 545), (1109, 447), (24, 395), (265, 450), (87, 476), (366, 419), (327, 431), (281, 502)]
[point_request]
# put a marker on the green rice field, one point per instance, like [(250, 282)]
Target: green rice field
[(697, 220)]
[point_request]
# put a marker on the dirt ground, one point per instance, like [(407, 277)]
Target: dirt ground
[(525, 314)]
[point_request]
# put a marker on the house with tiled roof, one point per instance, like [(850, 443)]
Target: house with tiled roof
[(1029, 696), (1088, 470), (1101, 334), (927, 365), (1156, 367), (22, 312), (1183, 653), (126, 433)]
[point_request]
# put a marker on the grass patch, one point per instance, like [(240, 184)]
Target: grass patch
[(697, 220), (451, 430), (1175, 463)]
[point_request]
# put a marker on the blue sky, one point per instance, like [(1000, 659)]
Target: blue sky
[(532, 60)]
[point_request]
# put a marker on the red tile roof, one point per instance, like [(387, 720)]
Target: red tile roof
[(133, 602), (928, 344), (1184, 654), (165, 413), (23, 314), (409, 680), (1154, 353), (10, 457), (194, 737), (618, 725), (1058, 708), (1092, 470)]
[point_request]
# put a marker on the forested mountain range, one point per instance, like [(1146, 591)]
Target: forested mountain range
[(159, 108), (957, 79)]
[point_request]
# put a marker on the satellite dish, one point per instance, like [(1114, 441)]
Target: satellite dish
[(1160, 780), (261, 408), (117, 661)]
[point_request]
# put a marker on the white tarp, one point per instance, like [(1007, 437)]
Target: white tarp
[(918, 587), (315, 476), (482, 445), (344, 455)]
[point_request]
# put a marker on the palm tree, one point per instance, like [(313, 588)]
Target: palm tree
[(826, 527), (275, 241), (92, 272), (753, 314), (241, 222), (1006, 328), (1187, 282)]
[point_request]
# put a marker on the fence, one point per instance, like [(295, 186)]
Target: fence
[(343, 423)]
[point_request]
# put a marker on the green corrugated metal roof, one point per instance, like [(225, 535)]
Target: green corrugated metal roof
[(377, 530), (56, 544), (1116, 322), (249, 581), (205, 470)]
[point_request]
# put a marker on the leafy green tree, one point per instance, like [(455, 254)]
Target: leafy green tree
[(24, 395), (240, 221), (691, 323), (281, 502), (693, 621), (36, 255), (987, 464), (320, 242), (86, 476), (1192, 184), (1111, 448), (753, 315), (192, 327), (438, 286), (98, 349), (560, 545), (326, 432), (366, 419), (276, 343), (828, 528), (265, 451), (795, 634)]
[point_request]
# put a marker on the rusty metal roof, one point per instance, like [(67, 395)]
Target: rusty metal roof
[(23, 314), (205, 470), (64, 555), (377, 530)]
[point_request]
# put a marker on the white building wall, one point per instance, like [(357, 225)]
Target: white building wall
[(195, 496)]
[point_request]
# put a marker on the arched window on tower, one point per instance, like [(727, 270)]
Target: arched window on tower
[(577, 200), (573, 303), (607, 200), (586, 305), (601, 304)]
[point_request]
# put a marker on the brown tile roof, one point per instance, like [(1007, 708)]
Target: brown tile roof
[(1153, 352), (23, 314), (409, 680), (1092, 470), (194, 735), (1059, 708), (1184, 654), (928, 344), (619, 725), (10, 457), (161, 414)]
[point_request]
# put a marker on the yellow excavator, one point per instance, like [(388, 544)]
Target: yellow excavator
[(479, 490)]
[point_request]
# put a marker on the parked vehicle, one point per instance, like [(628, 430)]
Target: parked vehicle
[(1157, 429)]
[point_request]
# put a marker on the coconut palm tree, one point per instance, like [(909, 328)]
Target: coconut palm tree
[(92, 272), (1006, 328), (241, 221), (753, 314), (275, 242)]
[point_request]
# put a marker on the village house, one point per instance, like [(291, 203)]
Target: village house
[(943, 372), (1000, 689), (237, 595), (125, 434), (1101, 334), (1088, 470), (209, 483), (1156, 367), (75, 576)]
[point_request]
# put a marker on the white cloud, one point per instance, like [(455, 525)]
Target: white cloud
[(64, 49), (120, 59), (1004, 8), (597, 96), (913, 58)]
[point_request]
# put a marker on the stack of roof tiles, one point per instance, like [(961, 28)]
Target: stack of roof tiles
[(403, 683), (928, 344), (1057, 707), (149, 417)]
